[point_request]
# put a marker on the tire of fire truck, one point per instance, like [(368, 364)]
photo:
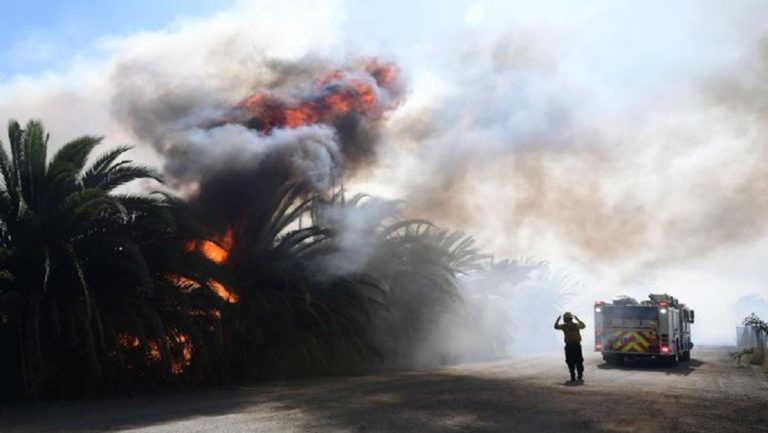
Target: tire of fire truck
[(670, 361), (614, 359), (685, 356)]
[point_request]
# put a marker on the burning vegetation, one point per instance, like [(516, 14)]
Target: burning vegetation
[(216, 251), (263, 272)]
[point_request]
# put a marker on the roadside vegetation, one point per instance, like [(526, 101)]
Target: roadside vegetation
[(753, 345), (102, 290)]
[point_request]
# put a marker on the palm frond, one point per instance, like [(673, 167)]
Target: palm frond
[(103, 162), (76, 152), (35, 144), (120, 174)]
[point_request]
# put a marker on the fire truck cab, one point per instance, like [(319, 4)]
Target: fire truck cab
[(657, 328)]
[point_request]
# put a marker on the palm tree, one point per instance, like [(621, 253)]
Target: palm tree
[(68, 246), (161, 313), (415, 263), (293, 318)]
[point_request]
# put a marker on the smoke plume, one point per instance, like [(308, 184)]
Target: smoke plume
[(315, 131), (522, 161)]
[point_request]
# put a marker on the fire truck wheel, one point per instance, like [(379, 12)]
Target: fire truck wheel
[(686, 356), (670, 361), (614, 359)]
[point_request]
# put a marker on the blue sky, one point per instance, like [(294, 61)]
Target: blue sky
[(44, 35)]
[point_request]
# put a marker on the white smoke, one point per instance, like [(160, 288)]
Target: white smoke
[(357, 225), (504, 310)]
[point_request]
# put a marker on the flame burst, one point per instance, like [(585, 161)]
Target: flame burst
[(218, 252), (368, 91)]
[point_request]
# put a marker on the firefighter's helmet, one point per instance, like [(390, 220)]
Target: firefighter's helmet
[(568, 316)]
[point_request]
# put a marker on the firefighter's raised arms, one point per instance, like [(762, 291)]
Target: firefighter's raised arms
[(573, 355)]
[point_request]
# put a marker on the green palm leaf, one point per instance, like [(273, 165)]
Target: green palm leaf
[(76, 152)]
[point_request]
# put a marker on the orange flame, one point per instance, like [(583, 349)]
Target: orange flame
[(186, 284), (366, 91), (153, 350), (214, 251), (218, 252), (223, 292), (126, 339), (178, 365)]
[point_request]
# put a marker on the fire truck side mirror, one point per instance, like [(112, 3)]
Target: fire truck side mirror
[(692, 316)]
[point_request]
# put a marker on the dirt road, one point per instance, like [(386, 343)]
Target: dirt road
[(522, 394)]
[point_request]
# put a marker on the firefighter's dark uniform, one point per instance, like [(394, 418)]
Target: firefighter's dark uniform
[(573, 355)]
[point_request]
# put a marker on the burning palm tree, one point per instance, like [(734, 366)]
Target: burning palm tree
[(72, 248), (290, 317)]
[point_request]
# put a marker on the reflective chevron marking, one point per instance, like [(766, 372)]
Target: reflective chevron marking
[(631, 341)]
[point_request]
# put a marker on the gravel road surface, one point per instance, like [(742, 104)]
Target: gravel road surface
[(520, 394)]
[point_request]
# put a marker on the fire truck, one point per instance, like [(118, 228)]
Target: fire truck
[(657, 328)]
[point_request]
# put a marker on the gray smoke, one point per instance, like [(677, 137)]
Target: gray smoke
[(505, 309), (187, 122), (521, 156)]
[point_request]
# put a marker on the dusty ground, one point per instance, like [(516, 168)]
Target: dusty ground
[(524, 394)]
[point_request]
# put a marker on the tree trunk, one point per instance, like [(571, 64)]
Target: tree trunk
[(22, 357)]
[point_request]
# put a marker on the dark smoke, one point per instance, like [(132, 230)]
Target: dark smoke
[(206, 135)]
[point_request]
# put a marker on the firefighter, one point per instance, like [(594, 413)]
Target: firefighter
[(573, 355)]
